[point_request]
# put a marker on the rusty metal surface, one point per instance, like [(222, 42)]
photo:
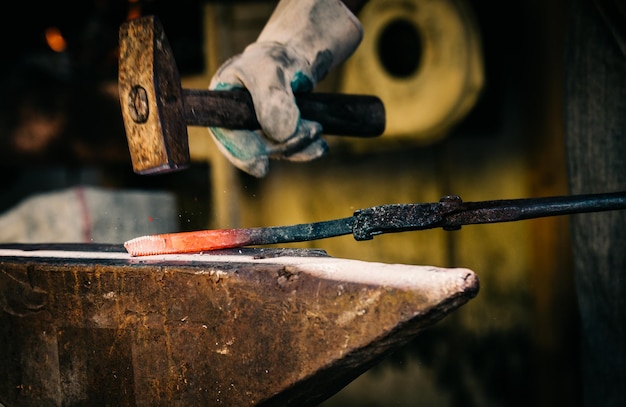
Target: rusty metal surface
[(90, 325)]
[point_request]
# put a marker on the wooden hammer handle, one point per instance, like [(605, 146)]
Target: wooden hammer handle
[(339, 114)]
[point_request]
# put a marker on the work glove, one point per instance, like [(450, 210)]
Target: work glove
[(300, 43)]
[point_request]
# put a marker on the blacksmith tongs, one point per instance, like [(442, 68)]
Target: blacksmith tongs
[(450, 213)]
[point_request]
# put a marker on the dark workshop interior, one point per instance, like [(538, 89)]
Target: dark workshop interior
[(492, 131)]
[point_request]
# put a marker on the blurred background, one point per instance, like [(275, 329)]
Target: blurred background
[(473, 96)]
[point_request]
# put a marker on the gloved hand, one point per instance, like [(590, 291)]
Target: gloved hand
[(301, 42)]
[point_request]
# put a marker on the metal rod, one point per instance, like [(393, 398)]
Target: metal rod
[(520, 209)]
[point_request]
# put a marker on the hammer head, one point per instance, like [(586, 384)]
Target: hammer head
[(151, 98)]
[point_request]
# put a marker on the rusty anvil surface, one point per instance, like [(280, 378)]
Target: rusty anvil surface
[(86, 324)]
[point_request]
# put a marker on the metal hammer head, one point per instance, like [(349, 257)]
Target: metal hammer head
[(151, 98)]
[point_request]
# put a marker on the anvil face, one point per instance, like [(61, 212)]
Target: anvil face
[(86, 323)]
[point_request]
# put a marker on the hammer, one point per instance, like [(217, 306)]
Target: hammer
[(156, 109)]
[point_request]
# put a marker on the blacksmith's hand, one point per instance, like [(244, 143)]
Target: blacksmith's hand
[(300, 43)]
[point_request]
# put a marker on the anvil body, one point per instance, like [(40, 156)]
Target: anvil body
[(90, 325)]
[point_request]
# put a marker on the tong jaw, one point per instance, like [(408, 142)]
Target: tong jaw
[(376, 220)]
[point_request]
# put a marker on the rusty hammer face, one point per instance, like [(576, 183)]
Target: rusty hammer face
[(157, 110), (151, 99)]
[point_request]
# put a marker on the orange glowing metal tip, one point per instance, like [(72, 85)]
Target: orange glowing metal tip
[(450, 213), (187, 242)]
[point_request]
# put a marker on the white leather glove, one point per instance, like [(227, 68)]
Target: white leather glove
[(301, 42)]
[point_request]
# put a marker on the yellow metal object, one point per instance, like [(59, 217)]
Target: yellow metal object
[(423, 59)]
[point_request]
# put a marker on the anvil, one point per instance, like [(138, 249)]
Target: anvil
[(87, 324)]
